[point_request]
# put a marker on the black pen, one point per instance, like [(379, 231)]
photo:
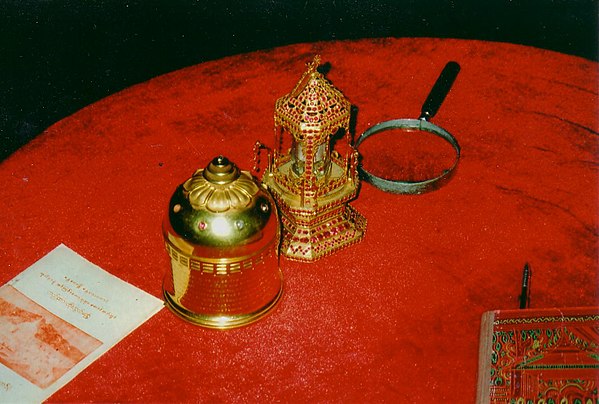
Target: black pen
[(525, 293)]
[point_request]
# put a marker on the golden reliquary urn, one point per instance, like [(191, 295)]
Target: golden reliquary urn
[(312, 170), (222, 235)]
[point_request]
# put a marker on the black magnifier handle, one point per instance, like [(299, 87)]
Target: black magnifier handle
[(439, 91)]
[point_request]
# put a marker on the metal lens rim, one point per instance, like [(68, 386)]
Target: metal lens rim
[(409, 187)]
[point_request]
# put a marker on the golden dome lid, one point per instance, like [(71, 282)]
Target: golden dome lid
[(220, 187), (220, 206)]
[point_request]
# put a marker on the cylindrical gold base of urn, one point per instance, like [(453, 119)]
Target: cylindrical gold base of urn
[(221, 321)]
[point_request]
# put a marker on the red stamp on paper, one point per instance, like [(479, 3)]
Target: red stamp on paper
[(35, 343)]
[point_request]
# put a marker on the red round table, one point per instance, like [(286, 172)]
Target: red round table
[(394, 318)]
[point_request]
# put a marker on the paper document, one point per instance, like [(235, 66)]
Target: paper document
[(57, 317)]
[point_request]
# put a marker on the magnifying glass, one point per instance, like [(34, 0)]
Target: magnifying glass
[(421, 128)]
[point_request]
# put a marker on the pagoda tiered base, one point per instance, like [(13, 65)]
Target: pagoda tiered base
[(312, 236)]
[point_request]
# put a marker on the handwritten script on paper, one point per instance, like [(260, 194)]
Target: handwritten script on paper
[(81, 304), (54, 320)]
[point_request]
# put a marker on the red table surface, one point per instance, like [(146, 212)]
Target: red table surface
[(394, 318)]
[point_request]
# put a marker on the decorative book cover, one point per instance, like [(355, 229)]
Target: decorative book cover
[(57, 317), (539, 356)]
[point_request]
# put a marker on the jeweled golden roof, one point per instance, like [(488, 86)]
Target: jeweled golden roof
[(315, 108)]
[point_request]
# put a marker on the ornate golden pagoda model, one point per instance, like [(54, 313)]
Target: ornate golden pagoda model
[(314, 180)]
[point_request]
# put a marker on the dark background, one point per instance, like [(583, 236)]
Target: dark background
[(57, 56)]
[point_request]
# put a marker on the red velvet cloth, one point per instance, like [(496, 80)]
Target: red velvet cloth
[(394, 318)]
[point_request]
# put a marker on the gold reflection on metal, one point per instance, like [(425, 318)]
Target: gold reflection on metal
[(314, 179), (221, 234)]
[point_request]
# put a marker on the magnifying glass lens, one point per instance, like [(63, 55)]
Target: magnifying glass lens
[(409, 155)]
